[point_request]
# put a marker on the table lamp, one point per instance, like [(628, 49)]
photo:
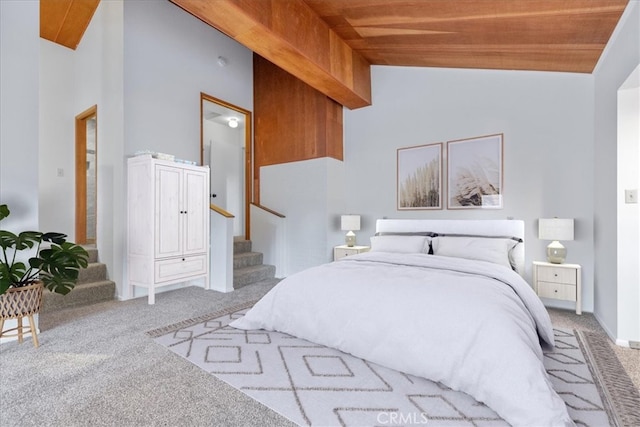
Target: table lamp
[(350, 223), (555, 229)]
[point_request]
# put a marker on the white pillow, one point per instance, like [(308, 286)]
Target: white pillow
[(400, 244), (495, 250)]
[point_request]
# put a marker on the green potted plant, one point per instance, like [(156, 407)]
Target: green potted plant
[(54, 265)]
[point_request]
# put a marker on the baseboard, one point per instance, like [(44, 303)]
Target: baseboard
[(619, 342), (141, 292), (622, 343), (629, 344), (604, 326)]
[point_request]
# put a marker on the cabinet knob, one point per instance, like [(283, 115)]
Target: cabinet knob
[(183, 260)]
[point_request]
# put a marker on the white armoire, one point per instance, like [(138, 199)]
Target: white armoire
[(168, 223)]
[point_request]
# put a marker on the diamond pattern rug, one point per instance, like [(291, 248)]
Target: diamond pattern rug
[(314, 385)]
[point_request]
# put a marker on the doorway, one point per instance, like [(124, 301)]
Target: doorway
[(86, 176), (225, 146)]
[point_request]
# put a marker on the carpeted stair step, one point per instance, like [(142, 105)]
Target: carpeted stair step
[(82, 294), (248, 266), (241, 245), (93, 286), (255, 273), (94, 272), (93, 253), (247, 259)]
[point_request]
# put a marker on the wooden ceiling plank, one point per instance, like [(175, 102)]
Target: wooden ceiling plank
[(76, 23), (52, 16), (380, 29), (65, 21), (291, 36), (388, 11), (532, 60)]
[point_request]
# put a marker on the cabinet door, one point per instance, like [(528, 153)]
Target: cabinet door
[(196, 197), (168, 211)]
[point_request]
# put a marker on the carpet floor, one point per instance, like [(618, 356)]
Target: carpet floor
[(311, 384), (96, 366)]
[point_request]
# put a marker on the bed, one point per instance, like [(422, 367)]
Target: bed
[(441, 299)]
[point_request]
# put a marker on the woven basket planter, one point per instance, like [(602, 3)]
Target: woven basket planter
[(21, 302), (17, 303)]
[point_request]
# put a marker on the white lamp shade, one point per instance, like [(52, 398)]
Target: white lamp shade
[(555, 229), (350, 222)]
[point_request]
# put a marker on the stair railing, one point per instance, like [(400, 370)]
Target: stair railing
[(269, 236), (221, 250)]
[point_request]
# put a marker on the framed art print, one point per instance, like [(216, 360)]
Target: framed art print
[(474, 173), (419, 180)]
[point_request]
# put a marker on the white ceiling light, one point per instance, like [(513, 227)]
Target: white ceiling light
[(233, 122)]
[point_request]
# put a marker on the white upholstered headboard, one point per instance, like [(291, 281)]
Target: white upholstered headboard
[(475, 227)]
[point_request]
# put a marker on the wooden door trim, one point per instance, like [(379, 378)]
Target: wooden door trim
[(80, 172), (248, 153)]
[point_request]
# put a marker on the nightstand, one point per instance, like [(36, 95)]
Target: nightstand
[(344, 250), (558, 281)]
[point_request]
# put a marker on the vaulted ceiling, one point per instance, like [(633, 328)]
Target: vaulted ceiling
[(546, 35), (329, 44)]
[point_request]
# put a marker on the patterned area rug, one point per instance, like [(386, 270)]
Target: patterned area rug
[(315, 385)]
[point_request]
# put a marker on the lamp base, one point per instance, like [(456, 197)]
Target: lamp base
[(350, 239), (556, 253)]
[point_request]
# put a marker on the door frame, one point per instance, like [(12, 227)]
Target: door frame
[(248, 152), (81, 173)]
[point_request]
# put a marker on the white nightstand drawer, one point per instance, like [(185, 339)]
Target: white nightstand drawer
[(556, 291), (341, 253), (344, 250), (557, 275)]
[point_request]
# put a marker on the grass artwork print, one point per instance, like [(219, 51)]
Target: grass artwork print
[(420, 177), (475, 173)]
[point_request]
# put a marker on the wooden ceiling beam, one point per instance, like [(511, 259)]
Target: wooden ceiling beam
[(290, 35), (65, 21)]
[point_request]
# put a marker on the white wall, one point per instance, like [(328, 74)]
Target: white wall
[(629, 213), (170, 57), (111, 217), (548, 147), (311, 195), (19, 85), (57, 150), (619, 59)]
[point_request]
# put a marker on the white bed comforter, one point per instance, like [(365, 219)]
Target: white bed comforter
[(473, 326)]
